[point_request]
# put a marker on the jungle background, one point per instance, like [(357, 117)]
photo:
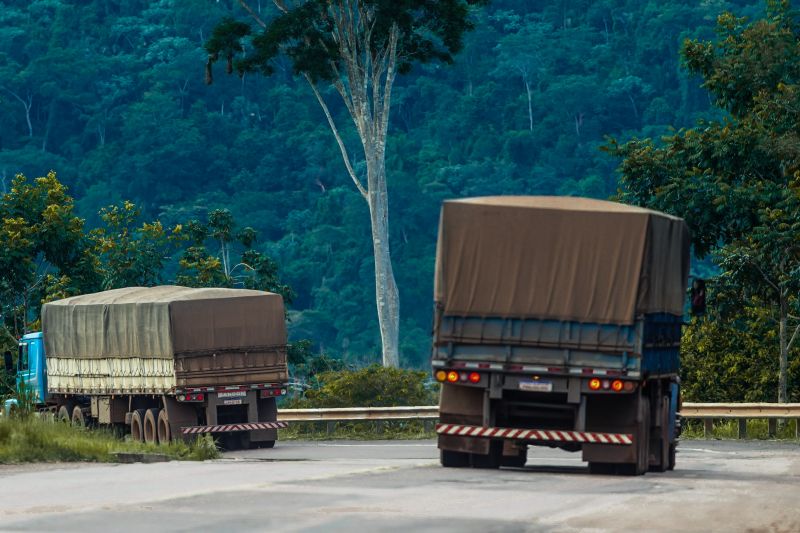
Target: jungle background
[(160, 178)]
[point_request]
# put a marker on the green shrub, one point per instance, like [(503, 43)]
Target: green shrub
[(373, 386)]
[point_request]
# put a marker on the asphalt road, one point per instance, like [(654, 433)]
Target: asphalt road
[(398, 485)]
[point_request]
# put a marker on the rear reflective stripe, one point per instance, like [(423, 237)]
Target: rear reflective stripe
[(534, 434), (191, 430)]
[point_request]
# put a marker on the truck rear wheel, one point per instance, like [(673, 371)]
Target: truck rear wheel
[(137, 425), (78, 418), (602, 468), (451, 459), (661, 445), (490, 460), (672, 450), (164, 432), (64, 414), (642, 443), (151, 426)]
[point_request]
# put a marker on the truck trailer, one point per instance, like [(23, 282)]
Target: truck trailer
[(164, 362), (557, 323)]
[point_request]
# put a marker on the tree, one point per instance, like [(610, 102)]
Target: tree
[(200, 267), (524, 54), (129, 254), (41, 242), (736, 181), (358, 47)]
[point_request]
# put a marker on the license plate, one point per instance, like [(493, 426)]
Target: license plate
[(536, 385), (232, 394), (237, 401)]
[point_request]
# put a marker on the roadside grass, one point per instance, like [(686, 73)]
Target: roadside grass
[(729, 429), (39, 439), (371, 430)]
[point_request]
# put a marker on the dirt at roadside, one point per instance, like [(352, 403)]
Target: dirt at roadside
[(7, 470)]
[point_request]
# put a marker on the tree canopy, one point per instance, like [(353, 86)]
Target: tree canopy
[(736, 180), (121, 86)]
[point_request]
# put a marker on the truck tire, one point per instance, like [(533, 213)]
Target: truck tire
[(78, 418), (515, 461), (137, 425), (602, 468), (164, 432), (452, 459), (642, 443), (151, 426), (662, 442), (257, 444), (64, 414), (672, 450), (491, 460)]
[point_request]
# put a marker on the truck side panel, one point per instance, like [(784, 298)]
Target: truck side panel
[(649, 346)]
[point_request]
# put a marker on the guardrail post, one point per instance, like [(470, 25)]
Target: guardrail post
[(379, 427), (742, 428), (797, 428), (331, 427), (708, 428), (772, 427), (427, 425)]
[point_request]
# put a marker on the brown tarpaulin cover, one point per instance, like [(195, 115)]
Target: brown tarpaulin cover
[(559, 258), (161, 322)]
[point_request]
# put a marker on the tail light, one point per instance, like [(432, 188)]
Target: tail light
[(441, 375), (474, 377), (616, 385), (452, 376), (191, 397), (594, 384)]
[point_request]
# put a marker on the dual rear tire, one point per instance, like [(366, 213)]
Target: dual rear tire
[(150, 426), (494, 459)]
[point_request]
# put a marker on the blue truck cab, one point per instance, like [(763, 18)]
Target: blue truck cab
[(31, 370)]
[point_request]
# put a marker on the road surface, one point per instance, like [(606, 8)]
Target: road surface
[(399, 486)]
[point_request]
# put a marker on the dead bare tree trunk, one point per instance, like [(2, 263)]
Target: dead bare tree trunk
[(27, 103), (784, 347), (365, 85)]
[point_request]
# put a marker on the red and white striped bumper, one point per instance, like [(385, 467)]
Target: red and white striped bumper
[(227, 428), (549, 435)]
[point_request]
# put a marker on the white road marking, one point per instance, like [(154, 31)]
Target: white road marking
[(706, 450)]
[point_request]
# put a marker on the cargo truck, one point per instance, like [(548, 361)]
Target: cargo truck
[(164, 362), (558, 323)]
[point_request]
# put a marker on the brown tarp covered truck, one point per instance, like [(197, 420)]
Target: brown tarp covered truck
[(558, 319), (169, 361)]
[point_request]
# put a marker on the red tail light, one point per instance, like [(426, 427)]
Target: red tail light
[(616, 385), (474, 377)]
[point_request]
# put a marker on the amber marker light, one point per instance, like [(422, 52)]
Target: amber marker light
[(594, 384), (452, 376), (616, 385), (441, 375)]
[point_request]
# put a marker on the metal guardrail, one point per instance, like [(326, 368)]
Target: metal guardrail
[(707, 412), (349, 414), (742, 412)]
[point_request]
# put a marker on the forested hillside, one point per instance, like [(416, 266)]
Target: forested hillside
[(111, 95)]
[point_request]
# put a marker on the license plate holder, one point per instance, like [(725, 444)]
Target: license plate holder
[(536, 385)]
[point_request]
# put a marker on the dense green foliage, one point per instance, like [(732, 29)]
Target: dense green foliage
[(736, 181), (372, 386), (48, 253), (111, 94)]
